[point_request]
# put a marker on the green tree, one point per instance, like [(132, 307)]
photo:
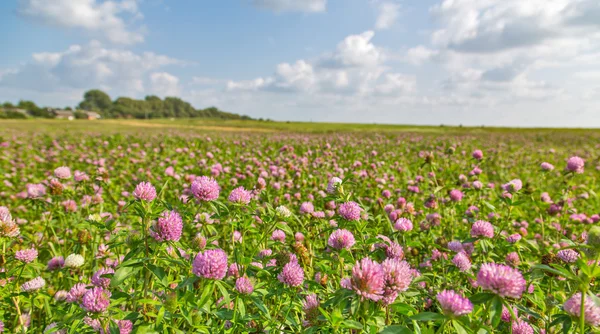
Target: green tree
[(97, 100)]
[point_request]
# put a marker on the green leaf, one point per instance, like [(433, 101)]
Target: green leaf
[(159, 273), (496, 311), (428, 316), (481, 298), (403, 308), (352, 324), (459, 327), (121, 275), (396, 329)]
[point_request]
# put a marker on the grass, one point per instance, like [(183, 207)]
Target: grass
[(216, 125)]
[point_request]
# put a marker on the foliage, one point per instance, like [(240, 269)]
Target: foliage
[(93, 208)]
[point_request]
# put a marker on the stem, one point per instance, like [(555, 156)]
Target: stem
[(581, 314), (441, 329)]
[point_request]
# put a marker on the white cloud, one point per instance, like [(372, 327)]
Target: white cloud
[(355, 69), (355, 51), (420, 54), (101, 18), (164, 84), (292, 5), (86, 66), (387, 15)]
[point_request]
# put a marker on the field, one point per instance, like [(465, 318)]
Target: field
[(190, 226)]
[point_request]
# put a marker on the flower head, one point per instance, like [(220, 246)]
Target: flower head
[(210, 264), (333, 184), (368, 279), (100, 281), (403, 225), (461, 261), (33, 285), (292, 274), (501, 280), (513, 186), (350, 211), (243, 285), (341, 239), (62, 172), (591, 310), (168, 227), (240, 195), (26, 255), (205, 189), (96, 300), (74, 261), (575, 164), (454, 304), (521, 327), (145, 191), (547, 166), (482, 228)]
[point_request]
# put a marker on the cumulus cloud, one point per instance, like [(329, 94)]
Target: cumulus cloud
[(87, 66), (355, 51), (355, 67), (313, 6), (164, 84), (100, 18), (387, 14)]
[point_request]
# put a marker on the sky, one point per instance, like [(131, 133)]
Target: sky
[(470, 62)]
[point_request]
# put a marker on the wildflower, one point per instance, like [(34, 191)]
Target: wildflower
[(240, 195), (521, 327), (145, 191), (100, 281), (205, 189), (278, 235), (591, 311), (74, 261), (341, 239), (96, 300), (456, 195), (33, 285), (462, 261), (368, 279), (403, 225), (244, 286), (26, 255), (76, 293), (333, 185), (453, 304), (292, 274), (575, 164), (283, 211), (62, 172), (513, 186), (482, 228), (501, 280), (547, 166), (168, 227), (211, 264), (307, 207), (350, 211), (568, 255)]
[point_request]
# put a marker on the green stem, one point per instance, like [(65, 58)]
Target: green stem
[(582, 314)]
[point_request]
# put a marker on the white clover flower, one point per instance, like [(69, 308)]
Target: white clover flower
[(74, 261), (283, 211)]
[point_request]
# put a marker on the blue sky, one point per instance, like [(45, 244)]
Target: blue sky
[(471, 62)]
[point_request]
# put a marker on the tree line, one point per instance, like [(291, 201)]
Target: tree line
[(123, 107)]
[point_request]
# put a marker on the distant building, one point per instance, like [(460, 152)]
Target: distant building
[(62, 114), (91, 114)]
